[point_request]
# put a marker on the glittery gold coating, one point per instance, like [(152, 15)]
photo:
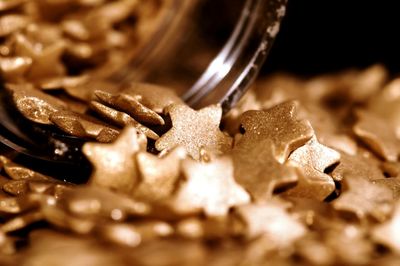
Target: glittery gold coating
[(121, 119), (155, 97), (19, 172), (53, 188), (82, 126), (194, 130), (388, 233), (114, 164), (363, 198), (278, 124), (257, 170), (131, 105), (34, 104), (378, 135), (313, 159), (16, 188), (158, 176), (208, 187), (272, 221), (231, 120), (3, 180)]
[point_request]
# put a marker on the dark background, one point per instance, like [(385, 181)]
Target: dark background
[(330, 35)]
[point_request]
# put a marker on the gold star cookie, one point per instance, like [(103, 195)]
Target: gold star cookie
[(257, 170), (158, 176), (46, 61), (313, 158), (114, 164), (378, 135), (363, 198), (208, 187), (194, 130), (279, 124)]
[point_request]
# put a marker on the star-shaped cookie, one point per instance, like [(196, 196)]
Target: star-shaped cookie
[(46, 61), (158, 176), (208, 187), (379, 135), (257, 170), (313, 158), (279, 124), (194, 130), (364, 198), (114, 164)]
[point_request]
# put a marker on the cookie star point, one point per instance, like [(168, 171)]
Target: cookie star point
[(158, 175), (194, 130), (279, 124), (114, 164), (313, 159), (379, 135)]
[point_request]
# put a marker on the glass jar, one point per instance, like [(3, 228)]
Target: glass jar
[(208, 49)]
